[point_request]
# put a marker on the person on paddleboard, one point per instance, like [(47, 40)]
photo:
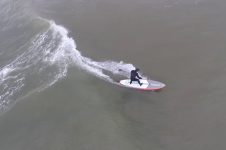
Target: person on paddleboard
[(134, 76)]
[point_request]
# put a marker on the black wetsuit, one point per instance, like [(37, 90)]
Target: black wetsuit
[(134, 77)]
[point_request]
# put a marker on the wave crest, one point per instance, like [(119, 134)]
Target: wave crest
[(46, 61)]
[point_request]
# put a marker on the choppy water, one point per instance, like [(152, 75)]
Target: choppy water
[(179, 42)]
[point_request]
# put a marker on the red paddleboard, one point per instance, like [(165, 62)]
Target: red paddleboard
[(147, 85)]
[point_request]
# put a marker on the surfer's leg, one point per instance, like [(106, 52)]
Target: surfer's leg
[(139, 82), (132, 79)]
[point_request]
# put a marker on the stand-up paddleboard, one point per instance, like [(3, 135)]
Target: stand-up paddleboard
[(148, 85)]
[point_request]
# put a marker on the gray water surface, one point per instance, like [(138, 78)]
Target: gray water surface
[(178, 42)]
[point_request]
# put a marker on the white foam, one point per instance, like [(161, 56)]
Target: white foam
[(4, 72)]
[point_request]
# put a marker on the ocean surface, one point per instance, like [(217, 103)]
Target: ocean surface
[(60, 62)]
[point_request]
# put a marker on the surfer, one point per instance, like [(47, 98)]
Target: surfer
[(134, 76)]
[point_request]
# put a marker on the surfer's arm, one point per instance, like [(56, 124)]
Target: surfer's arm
[(139, 76)]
